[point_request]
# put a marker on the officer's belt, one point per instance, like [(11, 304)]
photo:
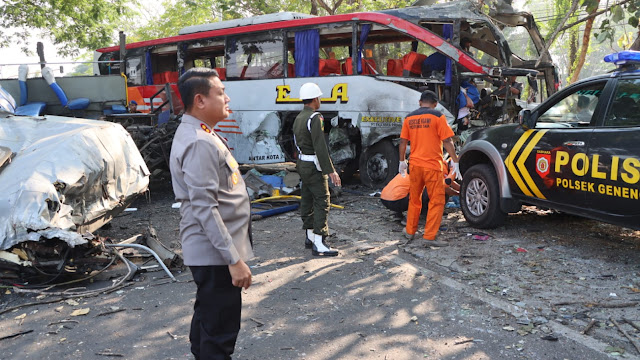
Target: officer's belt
[(304, 157)]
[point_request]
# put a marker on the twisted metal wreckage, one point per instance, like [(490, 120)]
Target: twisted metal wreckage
[(61, 179)]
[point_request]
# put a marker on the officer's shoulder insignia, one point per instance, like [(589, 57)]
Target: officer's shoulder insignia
[(205, 128)]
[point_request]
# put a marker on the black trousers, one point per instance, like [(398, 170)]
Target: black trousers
[(401, 205), (216, 313)]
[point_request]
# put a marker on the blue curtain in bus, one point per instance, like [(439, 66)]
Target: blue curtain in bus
[(364, 33), (307, 55), (447, 32), (148, 69)]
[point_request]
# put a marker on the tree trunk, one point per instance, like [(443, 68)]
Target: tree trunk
[(586, 36), (552, 38), (636, 44), (314, 7), (573, 50)]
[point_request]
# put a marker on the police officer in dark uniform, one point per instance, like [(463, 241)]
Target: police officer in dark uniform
[(315, 167)]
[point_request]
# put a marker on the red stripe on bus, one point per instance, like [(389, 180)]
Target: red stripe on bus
[(229, 126)]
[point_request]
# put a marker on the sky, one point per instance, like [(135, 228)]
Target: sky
[(14, 55)]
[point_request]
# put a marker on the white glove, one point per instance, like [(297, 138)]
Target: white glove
[(402, 168), (456, 170)]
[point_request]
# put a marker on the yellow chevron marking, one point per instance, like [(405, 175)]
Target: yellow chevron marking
[(523, 169), (511, 166)]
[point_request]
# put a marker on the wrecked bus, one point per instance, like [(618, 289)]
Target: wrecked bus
[(368, 65)]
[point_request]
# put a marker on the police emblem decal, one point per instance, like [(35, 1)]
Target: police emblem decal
[(543, 164)]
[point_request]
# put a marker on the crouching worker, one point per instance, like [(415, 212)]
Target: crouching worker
[(315, 167), (395, 196)]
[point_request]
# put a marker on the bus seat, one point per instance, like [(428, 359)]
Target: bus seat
[(24, 107), (222, 73), (165, 77), (164, 117), (118, 109), (74, 104), (347, 69), (368, 67), (412, 64), (31, 109), (394, 67), (291, 68), (329, 67)]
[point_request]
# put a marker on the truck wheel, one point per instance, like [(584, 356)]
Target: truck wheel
[(379, 164), (480, 197)]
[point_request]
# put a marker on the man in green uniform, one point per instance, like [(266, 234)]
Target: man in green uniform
[(314, 167)]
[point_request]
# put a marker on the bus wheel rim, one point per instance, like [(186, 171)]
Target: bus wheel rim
[(377, 167)]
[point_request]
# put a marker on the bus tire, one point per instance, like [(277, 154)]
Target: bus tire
[(379, 164), (480, 197)]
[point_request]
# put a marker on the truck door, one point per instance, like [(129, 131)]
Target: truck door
[(614, 151), (557, 159)]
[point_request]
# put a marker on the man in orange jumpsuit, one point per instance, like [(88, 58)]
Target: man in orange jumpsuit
[(395, 195), (427, 131)]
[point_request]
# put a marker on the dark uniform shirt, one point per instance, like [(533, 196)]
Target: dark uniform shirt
[(312, 142)]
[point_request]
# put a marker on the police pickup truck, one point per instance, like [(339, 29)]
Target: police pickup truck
[(577, 152)]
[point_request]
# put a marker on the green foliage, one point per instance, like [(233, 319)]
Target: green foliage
[(182, 13), (71, 24), (82, 69), (626, 13)]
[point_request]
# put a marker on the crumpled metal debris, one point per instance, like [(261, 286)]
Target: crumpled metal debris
[(67, 176)]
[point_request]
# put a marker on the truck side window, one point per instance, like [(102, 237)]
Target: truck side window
[(625, 108), (573, 110)]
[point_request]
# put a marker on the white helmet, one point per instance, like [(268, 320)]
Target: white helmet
[(310, 91)]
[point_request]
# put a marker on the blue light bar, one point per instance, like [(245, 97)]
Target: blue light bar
[(623, 57)]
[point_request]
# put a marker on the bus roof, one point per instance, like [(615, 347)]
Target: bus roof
[(388, 20), (260, 19)]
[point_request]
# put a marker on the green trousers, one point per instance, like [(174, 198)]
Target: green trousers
[(314, 205)]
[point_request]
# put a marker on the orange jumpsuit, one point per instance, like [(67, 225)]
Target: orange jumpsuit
[(425, 129)]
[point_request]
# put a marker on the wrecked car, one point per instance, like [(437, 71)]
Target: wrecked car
[(61, 179)]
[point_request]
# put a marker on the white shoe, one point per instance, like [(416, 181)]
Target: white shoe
[(320, 249)]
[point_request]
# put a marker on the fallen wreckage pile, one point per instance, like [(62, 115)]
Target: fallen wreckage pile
[(61, 179)]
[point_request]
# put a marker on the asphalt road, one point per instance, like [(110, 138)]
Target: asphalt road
[(382, 298)]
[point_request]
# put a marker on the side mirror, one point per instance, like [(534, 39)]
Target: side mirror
[(526, 120)]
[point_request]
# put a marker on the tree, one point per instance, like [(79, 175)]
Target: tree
[(615, 14), (182, 13), (71, 24)]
